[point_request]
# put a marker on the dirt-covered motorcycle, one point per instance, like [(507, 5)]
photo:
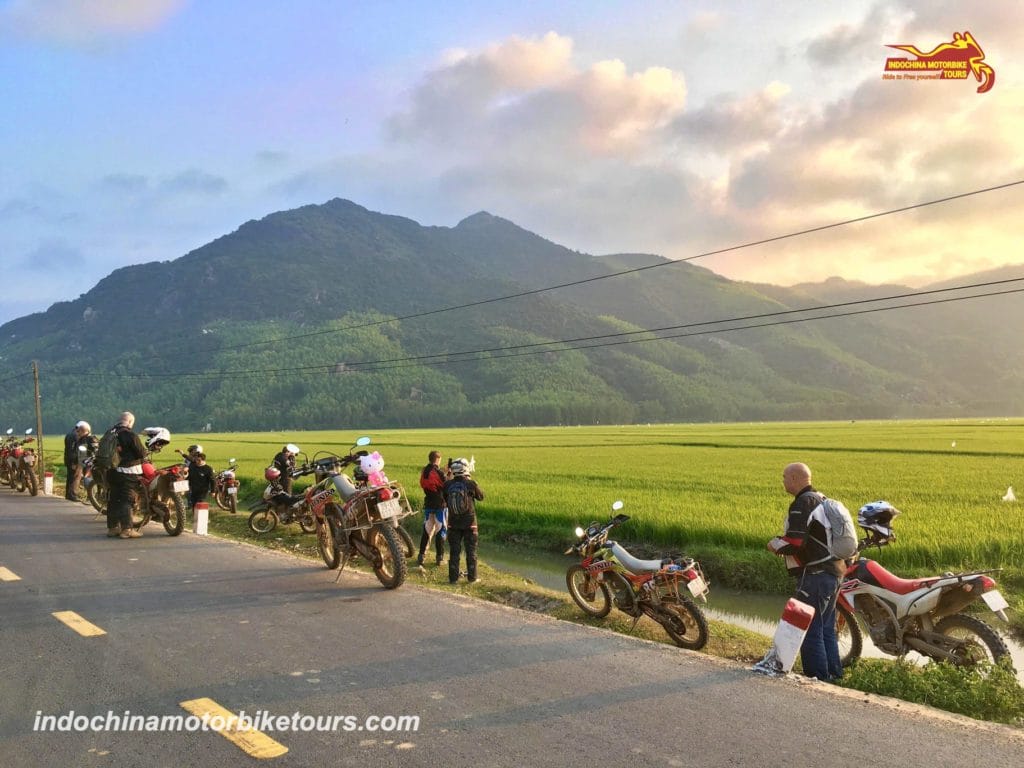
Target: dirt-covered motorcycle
[(225, 487), (22, 463), (359, 522), (661, 589)]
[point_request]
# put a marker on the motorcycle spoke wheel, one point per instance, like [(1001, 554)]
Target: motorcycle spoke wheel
[(220, 500), (327, 544), (262, 521), (849, 635), (593, 597), (977, 641), (174, 516), (392, 570), (33, 484), (684, 622), (233, 503)]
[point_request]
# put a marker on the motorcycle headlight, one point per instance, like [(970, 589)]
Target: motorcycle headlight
[(579, 532)]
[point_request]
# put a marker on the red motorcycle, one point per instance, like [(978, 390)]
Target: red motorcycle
[(225, 487), (922, 615), (21, 464)]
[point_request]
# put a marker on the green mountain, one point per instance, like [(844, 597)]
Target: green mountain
[(288, 323)]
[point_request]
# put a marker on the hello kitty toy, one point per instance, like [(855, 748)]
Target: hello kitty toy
[(373, 467)]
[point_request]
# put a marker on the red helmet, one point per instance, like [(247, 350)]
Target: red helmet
[(148, 471), (272, 473)]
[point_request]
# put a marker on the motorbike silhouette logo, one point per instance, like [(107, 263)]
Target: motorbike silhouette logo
[(947, 61)]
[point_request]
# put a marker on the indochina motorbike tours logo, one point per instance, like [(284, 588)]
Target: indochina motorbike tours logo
[(946, 61)]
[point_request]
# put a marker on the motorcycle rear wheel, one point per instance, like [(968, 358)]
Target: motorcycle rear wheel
[(33, 484), (392, 569), (851, 639), (980, 642), (263, 520), (308, 522), (593, 597), (406, 540), (684, 622), (174, 516), (19, 483)]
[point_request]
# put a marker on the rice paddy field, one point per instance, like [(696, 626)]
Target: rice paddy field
[(713, 491)]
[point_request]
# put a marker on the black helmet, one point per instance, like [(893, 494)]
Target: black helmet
[(876, 519)]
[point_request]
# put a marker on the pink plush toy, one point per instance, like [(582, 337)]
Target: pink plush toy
[(373, 467)]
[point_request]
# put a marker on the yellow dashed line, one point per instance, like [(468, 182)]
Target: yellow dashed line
[(252, 742), (7, 575), (77, 623)]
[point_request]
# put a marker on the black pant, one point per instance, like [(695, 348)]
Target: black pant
[(74, 478), (123, 491), (438, 543), (456, 538)]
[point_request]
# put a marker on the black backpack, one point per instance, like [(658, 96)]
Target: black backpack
[(460, 499), (107, 454)]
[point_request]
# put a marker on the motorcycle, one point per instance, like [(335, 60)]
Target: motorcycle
[(96, 489), (270, 510), (608, 574), (163, 489), (6, 446), (922, 615), (355, 521), (225, 487), (22, 465)]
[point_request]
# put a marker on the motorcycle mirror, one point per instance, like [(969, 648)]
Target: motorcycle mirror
[(617, 505), (28, 431), (10, 431), (82, 449), (232, 461), (579, 532), (364, 440)]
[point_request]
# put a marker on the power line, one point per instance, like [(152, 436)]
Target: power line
[(634, 270), (509, 351)]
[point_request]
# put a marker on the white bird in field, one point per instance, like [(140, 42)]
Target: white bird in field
[(1009, 495), (954, 444)]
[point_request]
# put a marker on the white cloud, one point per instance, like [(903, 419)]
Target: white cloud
[(84, 21)]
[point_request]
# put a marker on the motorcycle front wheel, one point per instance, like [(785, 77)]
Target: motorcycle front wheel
[(263, 520), (220, 498), (98, 494), (392, 570), (979, 642), (19, 483), (851, 639), (326, 544), (592, 596), (174, 516), (684, 622), (232, 503)]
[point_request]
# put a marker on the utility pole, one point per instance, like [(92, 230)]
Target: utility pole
[(41, 464)]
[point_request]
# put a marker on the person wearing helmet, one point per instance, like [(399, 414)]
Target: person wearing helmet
[(285, 462), (461, 494), (81, 434), (124, 480), (200, 479), (276, 494)]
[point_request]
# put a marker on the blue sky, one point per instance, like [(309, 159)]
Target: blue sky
[(138, 130)]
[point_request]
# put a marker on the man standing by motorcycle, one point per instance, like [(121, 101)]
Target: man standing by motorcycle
[(71, 464), (435, 513), (461, 494), (285, 462), (817, 573), (124, 480), (200, 479)]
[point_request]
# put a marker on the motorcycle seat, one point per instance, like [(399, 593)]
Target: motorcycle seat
[(633, 564), (894, 583)]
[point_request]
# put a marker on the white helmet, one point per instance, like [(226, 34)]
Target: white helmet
[(876, 518), (292, 448), (462, 467), (195, 448), (158, 437)]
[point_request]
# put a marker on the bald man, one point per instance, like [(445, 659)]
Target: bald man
[(816, 572)]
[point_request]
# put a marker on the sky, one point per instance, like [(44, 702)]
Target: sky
[(138, 130)]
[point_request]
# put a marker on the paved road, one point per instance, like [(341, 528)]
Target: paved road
[(194, 618)]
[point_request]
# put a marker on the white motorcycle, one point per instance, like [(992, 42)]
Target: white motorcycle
[(922, 615)]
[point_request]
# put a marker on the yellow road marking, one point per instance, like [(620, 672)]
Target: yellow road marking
[(252, 742), (8, 575), (77, 623)]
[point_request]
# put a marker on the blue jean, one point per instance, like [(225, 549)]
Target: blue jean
[(819, 652)]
